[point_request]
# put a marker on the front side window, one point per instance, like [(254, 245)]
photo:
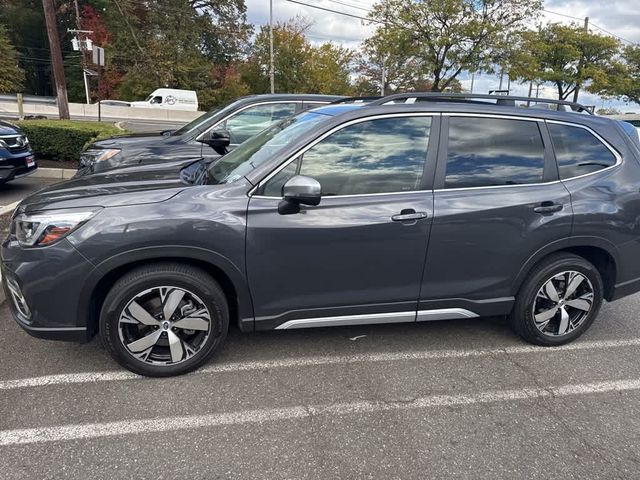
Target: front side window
[(375, 156), (263, 147), (253, 120), (578, 151), (486, 152)]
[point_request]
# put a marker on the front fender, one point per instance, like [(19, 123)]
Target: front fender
[(176, 253)]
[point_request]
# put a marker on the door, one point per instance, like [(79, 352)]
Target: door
[(497, 202), (358, 256)]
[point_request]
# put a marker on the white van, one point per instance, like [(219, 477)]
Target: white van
[(170, 98)]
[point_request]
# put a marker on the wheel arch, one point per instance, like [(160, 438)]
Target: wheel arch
[(229, 277), (600, 252)]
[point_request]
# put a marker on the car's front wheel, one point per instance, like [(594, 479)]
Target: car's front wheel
[(559, 300), (165, 319)]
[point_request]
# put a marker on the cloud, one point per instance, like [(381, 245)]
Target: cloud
[(621, 17)]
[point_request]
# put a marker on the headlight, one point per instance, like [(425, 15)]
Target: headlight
[(91, 156), (45, 228)]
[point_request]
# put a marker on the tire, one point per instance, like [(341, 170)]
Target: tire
[(134, 310), (534, 316)]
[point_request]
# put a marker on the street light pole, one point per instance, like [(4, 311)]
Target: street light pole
[(271, 67)]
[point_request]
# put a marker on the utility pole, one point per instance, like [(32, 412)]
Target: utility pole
[(577, 90), (272, 73), (473, 78), (56, 59), (82, 56)]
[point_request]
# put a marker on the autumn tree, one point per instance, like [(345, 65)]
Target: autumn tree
[(569, 57), (624, 80), (299, 66), (11, 75), (440, 39)]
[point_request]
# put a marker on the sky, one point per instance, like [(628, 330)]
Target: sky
[(619, 17)]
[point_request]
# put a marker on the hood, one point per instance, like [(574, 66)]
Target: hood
[(134, 185), (8, 129), (131, 139)]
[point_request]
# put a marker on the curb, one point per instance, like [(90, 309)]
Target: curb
[(60, 173), (8, 208)]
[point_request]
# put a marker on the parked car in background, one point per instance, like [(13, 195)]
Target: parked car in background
[(235, 123), (171, 99), (16, 156), (343, 215)]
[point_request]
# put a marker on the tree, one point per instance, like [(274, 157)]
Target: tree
[(624, 80), (330, 69), (567, 56), (11, 75), (299, 66), (439, 39)]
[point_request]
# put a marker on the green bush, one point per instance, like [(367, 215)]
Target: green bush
[(64, 139)]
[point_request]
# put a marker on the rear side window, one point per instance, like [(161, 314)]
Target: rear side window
[(578, 151), (486, 152)]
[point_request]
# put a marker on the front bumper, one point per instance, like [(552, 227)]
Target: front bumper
[(43, 286), (16, 167)]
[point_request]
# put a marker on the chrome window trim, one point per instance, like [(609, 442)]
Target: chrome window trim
[(375, 318), (270, 102), (560, 122), (304, 149)]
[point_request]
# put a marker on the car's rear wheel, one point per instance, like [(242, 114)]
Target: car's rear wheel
[(162, 320), (559, 300)]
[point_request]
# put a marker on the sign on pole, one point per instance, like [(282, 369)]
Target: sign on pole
[(98, 56)]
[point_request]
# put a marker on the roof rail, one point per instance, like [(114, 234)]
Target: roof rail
[(501, 100), (356, 100)]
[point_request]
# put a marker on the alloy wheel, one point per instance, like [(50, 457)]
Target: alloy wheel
[(164, 325), (563, 303)]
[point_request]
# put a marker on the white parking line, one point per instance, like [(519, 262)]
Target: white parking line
[(109, 376), (128, 427)]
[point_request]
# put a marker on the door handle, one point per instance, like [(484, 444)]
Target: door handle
[(548, 207), (409, 214)]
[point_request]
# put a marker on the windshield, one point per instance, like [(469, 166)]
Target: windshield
[(262, 147), (193, 124)]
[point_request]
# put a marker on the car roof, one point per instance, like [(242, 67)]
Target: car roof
[(481, 109), (289, 96), (336, 109)]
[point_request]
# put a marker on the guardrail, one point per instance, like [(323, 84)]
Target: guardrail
[(28, 99), (47, 107)]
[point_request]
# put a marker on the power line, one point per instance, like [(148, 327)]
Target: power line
[(350, 6), (591, 24), (336, 11)]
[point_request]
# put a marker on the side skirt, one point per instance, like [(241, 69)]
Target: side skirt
[(394, 317)]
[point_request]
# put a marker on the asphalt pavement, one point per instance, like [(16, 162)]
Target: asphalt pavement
[(20, 188), (451, 399)]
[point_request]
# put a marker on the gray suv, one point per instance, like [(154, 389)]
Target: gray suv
[(410, 209)]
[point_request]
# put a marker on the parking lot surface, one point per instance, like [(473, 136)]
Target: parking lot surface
[(22, 187), (454, 399)]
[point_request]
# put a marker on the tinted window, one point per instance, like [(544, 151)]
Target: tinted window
[(376, 156), (578, 151), (253, 120), (489, 152)]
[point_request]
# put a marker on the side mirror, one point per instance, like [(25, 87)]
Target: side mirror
[(299, 190), (219, 140)]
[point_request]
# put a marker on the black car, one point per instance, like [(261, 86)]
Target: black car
[(238, 121), (16, 156), (444, 208)]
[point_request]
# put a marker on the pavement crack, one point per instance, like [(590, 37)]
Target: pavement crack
[(551, 409)]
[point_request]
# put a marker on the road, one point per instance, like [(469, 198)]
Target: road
[(455, 399), (22, 187)]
